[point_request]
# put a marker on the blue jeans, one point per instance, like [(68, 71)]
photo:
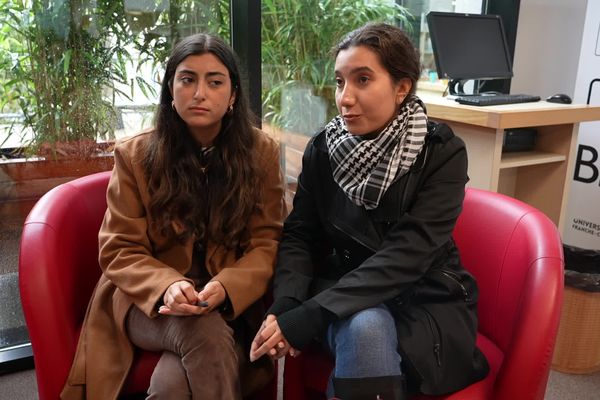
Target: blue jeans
[(364, 345)]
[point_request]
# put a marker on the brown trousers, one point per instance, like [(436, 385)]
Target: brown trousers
[(199, 358)]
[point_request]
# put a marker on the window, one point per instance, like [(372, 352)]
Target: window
[(297, 69)]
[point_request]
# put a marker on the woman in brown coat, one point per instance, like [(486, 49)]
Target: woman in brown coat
[(188, 243)]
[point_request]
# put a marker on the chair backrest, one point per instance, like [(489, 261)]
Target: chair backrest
[(58, 270), (515, 253)]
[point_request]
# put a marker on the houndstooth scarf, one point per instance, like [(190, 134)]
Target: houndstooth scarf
[(365, 168)]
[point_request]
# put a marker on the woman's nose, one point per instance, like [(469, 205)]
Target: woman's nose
[(347, 97), (200, 91)]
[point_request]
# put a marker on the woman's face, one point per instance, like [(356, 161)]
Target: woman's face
[(202, 94), (366, 96)]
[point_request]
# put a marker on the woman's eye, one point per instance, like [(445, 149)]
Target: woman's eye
[(339, 82), (216, 83), (186, 79), (363, 79)]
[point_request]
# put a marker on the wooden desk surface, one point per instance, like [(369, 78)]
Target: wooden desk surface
[(505, 116)]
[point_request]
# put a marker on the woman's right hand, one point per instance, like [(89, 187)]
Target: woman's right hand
[(180, 299), (270, 340)]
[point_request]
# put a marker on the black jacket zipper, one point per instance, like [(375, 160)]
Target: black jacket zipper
[(435, 330), (456, 279), (357, 240)]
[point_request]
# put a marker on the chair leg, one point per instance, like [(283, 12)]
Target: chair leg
[(293, 379), (372, 388)]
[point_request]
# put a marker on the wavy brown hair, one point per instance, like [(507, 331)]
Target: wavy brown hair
[(215, 206)]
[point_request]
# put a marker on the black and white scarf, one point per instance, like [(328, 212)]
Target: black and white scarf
[(365, 168)]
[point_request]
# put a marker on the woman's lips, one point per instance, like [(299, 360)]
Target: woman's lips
[(199, 109), (351, 117)]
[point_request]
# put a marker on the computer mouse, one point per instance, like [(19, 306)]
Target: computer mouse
[(559, 98)]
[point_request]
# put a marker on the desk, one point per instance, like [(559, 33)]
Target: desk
[(540, 177)]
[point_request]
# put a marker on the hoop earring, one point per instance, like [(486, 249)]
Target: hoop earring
[(173, 106)]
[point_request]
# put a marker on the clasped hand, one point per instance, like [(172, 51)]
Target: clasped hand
[(182, 299), (269, 340)]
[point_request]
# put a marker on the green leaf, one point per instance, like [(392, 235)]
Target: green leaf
[(66, 61)]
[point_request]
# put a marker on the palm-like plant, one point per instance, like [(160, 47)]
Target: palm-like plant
[(181, 18), (65, 61), (65, 81)]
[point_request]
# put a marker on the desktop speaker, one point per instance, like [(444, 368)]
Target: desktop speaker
[(519, 139)]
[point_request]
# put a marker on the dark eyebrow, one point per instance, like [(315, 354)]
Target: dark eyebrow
[(216, 73), (357, 70), (186, 71), (208, 74)]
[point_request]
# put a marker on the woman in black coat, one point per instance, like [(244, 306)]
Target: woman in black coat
[(367, 264)]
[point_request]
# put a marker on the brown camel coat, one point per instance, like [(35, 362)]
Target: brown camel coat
[(139, 264)]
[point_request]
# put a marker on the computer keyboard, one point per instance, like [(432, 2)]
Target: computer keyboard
[(491, 100)]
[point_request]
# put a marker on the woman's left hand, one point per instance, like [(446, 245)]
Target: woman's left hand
[(213, 294)]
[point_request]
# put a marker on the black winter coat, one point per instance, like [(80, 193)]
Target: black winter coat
[(347, 259)]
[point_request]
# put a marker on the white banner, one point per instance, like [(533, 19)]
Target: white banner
[(582, 225)]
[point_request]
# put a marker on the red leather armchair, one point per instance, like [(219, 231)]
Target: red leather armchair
[(58, 269), (515, 253)]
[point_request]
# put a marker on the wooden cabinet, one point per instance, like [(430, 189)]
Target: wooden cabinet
[(540, 177)]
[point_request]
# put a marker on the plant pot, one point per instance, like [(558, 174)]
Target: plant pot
[(24, 180)]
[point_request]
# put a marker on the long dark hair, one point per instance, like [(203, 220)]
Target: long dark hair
[(215, 205), (393, 47)]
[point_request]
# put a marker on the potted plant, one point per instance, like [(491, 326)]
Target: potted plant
[(66, 79), (62, 63), (296, 39), (297, 66)]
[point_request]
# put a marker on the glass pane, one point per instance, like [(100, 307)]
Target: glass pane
[(419, 33), (75, 75), (298, 81)]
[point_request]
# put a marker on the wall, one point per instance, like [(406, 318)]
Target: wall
[(547, 49)]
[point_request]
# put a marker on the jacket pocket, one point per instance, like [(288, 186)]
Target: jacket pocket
[(440, 286), (455, 280), (436, 337), (437, 344), (421, 347)]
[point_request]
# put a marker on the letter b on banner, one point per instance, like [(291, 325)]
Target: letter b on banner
[(584, 164)]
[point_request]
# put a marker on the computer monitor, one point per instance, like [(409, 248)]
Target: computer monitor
[(468, 46)]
